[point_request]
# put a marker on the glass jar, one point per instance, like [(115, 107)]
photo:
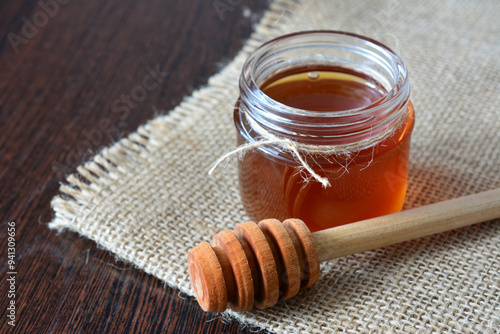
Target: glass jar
[(326, 120)]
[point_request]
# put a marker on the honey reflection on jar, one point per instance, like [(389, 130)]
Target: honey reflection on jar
[(369, 185)]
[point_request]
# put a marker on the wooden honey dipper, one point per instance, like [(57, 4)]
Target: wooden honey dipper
[(261, 263)]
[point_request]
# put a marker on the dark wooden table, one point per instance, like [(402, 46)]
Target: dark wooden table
[(62, 65)]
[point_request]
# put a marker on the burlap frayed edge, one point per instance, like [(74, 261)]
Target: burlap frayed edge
[(81, 188)]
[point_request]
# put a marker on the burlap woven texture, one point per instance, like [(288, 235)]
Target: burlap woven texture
[(148, 198)]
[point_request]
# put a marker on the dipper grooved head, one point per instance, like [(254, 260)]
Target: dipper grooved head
[(256, 265)]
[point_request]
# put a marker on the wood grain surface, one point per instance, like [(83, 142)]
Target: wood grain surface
[(73, 79)]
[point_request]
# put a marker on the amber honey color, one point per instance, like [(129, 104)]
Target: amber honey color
[(364, 183)]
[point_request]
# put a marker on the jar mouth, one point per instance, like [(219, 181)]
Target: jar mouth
[(325, 48)]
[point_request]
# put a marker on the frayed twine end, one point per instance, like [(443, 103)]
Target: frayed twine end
[(287, 144)]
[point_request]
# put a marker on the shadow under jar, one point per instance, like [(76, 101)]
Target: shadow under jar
[(323, 106)]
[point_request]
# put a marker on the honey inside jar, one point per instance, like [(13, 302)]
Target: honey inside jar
[(323, 88), (364, 183)]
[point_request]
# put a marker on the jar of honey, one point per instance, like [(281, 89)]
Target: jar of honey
[(326, 120)]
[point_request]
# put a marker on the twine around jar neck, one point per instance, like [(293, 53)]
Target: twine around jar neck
[(301, 150)]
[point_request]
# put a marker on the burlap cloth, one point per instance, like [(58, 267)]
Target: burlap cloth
[(148, 198)]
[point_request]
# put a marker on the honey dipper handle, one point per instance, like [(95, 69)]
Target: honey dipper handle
[(407, 225)]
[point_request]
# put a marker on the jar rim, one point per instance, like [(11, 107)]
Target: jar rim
[(394, 91)]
